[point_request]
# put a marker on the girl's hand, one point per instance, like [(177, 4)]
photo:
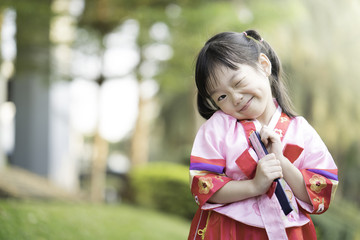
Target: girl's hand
[(291, 174), (272, 142), (268, 169)]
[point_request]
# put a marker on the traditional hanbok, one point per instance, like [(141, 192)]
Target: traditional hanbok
[(222, 152)]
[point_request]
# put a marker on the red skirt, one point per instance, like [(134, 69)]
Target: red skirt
[(210, 225)]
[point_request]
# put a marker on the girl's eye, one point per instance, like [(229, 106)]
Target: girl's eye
[(221, 97)]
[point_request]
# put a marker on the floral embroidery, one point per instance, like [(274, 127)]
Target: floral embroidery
[(283, 119), (197, 200), (205, 185), (317, 183), (220, 178), (289, 194), (256, 209), (321, 207), (279, 132), (291, 218)]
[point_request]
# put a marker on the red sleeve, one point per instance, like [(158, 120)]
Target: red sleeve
[(205, 185), (321, 185)]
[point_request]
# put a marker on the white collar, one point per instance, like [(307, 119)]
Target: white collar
[(273, 121)]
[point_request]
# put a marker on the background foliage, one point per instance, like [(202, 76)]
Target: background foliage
[(163, 186)]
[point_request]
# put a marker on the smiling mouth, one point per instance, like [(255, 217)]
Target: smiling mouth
[(246, 106)]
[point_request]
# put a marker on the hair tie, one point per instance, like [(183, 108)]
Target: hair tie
[(246, 35)]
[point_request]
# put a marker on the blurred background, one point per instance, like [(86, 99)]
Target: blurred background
[(97, 107)]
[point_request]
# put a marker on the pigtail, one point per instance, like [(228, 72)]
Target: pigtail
[(206, 107)]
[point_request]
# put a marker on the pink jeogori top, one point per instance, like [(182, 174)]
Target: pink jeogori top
[(221, 153)]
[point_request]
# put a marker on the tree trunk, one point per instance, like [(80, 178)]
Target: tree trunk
[(98, 171), (140, 142)]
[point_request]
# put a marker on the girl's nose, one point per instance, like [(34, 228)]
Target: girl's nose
[(237, 98)]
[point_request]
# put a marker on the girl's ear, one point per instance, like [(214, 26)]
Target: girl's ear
[(265, 64)]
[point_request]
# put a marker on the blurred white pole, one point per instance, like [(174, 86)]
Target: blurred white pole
[(7, 112), (2, 100), (8, 54)]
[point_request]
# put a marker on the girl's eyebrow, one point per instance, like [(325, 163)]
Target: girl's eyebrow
[(229, 81), (233, 76)]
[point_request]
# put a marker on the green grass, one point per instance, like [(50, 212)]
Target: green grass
[(45, 220)]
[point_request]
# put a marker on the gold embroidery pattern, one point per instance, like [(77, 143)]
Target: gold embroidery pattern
[(283, 119), (321, 204), (201, 232), (251, 132), (219, 178), (318, 183), (289, 194), (205, 185)]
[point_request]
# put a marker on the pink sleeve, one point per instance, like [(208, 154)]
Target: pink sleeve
[(319, 171), (207, 161)]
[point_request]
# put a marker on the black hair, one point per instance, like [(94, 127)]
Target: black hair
[(229, 49)]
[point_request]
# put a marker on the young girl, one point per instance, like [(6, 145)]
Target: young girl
[(240, 91)]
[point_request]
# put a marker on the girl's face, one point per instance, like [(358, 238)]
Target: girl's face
[(245, 93)]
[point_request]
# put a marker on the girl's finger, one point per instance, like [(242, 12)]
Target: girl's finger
[(268, 135), (264, 134)]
